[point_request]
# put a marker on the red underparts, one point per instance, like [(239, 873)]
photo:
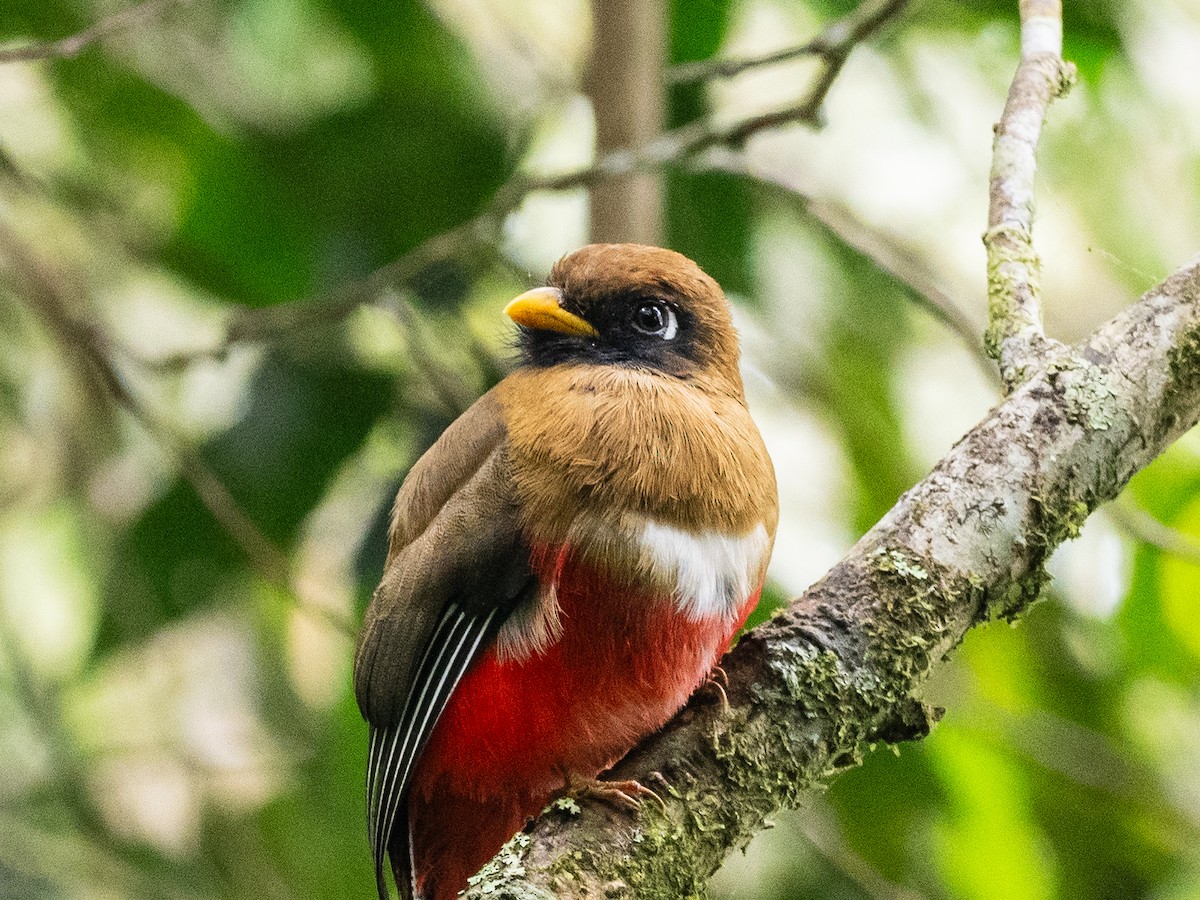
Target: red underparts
[(513, 730)]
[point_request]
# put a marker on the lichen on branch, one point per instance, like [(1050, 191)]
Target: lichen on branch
[(1014, 336)]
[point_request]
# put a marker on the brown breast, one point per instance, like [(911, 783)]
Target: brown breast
[(613, 440)]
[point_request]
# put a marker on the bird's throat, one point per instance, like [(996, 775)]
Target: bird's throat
[(610, 441)]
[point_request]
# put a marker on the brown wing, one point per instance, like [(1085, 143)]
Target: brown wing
[(457, 566)]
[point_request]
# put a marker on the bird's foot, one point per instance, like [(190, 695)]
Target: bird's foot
[(627, 794), (717, 681)]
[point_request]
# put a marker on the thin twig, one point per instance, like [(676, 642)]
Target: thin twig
[(695, 137), (449, 386), (269, 323), (842, 39), (820, 828), (72, 46), (923, 288), (1138, 523), (835, 41), (1015, 338), (710, 69), (688, 140), (85, 345)]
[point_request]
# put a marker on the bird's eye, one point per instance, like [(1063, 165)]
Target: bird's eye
[(655, 319)]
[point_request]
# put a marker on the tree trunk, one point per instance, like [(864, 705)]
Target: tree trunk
[(625, 83)]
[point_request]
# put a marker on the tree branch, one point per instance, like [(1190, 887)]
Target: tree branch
[(842, 668), (1014, 336), (923, 287), (1140, 524), (832, 45), (68, 47), (269, 323)]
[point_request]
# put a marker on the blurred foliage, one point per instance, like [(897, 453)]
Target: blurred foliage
[(708, 213), (182, 559)]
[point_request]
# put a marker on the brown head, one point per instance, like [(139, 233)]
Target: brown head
[(630, 305), (630, 398)]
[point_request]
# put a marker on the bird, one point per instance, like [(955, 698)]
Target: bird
[(566, 564)]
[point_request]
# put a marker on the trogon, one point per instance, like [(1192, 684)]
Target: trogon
[(566, 564)]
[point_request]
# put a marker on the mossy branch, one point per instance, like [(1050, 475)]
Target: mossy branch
[(1014, 336), (842, 668)]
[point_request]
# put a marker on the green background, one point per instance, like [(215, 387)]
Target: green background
[(178, 591)]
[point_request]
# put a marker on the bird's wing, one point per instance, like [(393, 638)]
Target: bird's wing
[(457, 566)]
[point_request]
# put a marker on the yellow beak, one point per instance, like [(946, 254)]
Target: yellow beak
[(542, 309)]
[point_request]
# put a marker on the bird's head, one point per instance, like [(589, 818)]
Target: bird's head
[(629, 305)]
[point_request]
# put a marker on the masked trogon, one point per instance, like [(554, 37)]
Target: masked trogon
[(566, 564)]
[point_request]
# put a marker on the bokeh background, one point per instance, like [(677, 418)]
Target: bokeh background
[(208, 399)]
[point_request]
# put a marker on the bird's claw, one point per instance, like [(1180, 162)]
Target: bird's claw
[(718, 681), (627, 794)]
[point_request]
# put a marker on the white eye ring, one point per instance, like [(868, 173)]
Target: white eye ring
[(672, 326)]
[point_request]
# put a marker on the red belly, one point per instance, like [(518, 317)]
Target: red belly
[(513, 730)]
